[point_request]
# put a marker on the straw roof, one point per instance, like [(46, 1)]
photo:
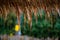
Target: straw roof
[(29, 2)]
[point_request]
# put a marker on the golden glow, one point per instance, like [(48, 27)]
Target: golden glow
[(17, 28)]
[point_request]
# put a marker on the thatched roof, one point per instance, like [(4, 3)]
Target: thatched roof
[(6, 4), (22, 4), (29, 2)]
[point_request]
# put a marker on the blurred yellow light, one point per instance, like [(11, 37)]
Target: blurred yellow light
[(17, 28)]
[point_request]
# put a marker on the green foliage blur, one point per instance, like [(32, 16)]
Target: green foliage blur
[(7, 24), (44, 27)]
